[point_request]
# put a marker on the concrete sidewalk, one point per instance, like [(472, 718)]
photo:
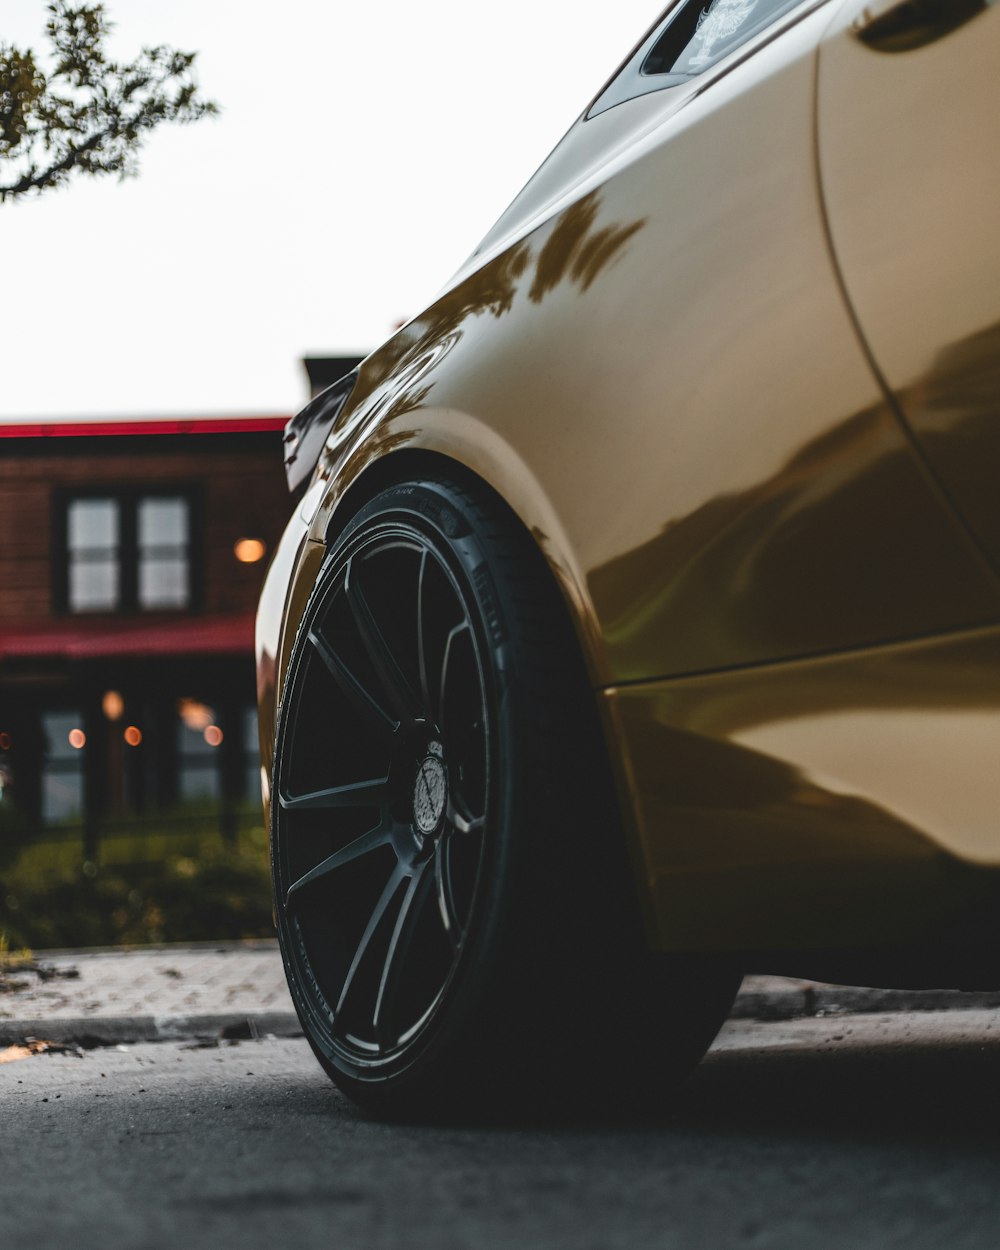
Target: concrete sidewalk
[(237, 990), (155, 993)]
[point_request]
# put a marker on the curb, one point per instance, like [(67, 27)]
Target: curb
[(95, 1031), (788, 1003), (827, 1000)]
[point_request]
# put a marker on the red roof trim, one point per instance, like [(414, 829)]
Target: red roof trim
[(76, 638), (179, 425)]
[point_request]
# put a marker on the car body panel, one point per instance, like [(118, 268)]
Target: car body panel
[(288, 584), (910, 157), (787, 518), (822, 803)]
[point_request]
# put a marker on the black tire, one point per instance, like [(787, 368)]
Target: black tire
[(454, 905)]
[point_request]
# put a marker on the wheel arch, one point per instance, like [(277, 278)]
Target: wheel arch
[(532, 513), (407, 463)]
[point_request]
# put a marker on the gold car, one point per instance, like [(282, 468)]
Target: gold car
[(638, 622)]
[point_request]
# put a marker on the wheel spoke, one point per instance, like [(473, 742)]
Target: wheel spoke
[(417, 892), (395, 686), (464, 824), (379, 836), (421, 630), (453, 635), (446, 893), (376, 918), (357, 794), (369, 707)]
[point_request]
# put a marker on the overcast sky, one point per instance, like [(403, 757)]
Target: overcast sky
[(362, 152)]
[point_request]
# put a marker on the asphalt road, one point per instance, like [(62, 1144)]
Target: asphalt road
[(845, 1131)]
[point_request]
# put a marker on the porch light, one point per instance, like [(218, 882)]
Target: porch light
[(249, 550), (112, 705)]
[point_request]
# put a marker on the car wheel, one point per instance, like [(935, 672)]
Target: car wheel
[(454, 905)]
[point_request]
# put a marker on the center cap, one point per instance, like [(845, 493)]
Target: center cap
[(430, 793)]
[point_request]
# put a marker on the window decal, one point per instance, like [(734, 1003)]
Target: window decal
[(719, 22)]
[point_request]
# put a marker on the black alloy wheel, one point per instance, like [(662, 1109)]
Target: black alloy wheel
[(445, 887)]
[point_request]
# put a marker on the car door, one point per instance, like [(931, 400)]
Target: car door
[(909, 153)]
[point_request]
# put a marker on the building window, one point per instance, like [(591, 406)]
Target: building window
[(163, 545), (127, 553), (198, 760), (93, 547), (62, 768)]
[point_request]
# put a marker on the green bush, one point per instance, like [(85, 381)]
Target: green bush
[(14, 831), (218, 892)]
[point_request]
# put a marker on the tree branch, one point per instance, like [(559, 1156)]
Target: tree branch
[(91, 115)]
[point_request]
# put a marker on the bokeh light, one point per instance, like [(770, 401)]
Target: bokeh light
[(113, 705), (249, 550)]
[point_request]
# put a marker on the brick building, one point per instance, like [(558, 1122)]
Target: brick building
[(130, 564)]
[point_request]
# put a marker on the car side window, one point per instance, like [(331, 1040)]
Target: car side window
[(692, 37)]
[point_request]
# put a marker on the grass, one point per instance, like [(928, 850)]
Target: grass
[(11, 961)]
